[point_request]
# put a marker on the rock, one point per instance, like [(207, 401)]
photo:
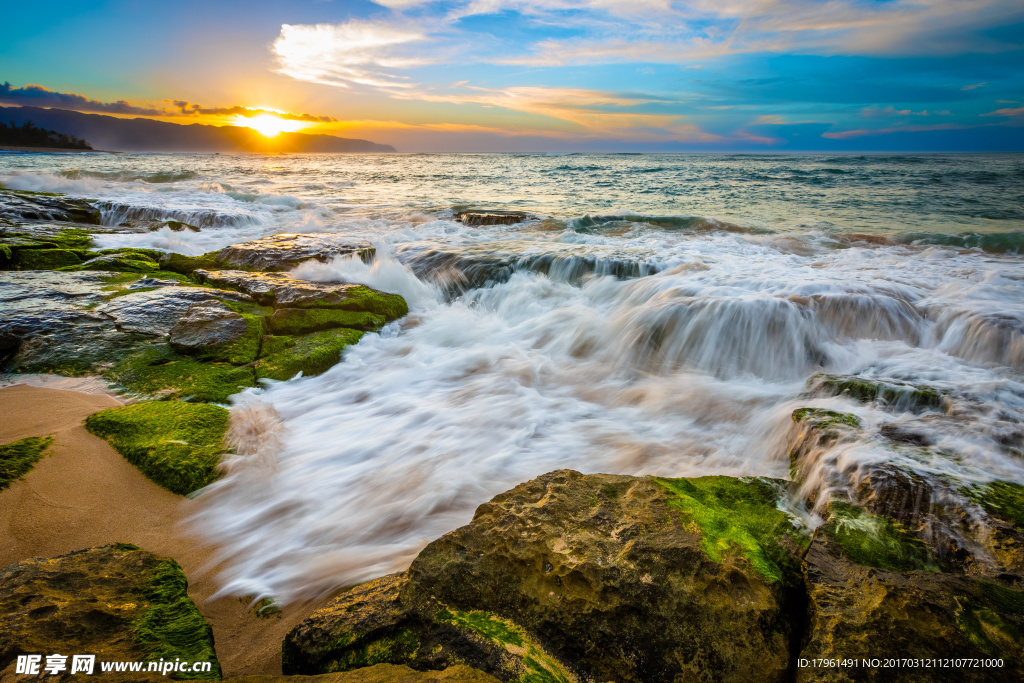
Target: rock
[(117, 602), (286, 250), (897, 395), (467, 266), (380, 673), (177, 445), (859, 611), (282, 357), (280, 290), (47, 322), (44, 206), (157, 311), (369, 625), (492, 217), (121, 263), (295, 321), (206, 324), (608, 577)]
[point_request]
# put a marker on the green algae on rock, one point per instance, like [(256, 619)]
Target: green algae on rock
[(876, 540), (741, 514), (824, 418), (896, 394), (155, 369), (282, 357), (368, 625), (117, 602), (1002, 499), (297, 321), (857, 611), (177, 445), (171, 627), (19, 457)]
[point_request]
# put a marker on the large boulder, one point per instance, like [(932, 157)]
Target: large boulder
[(492, 217), (599, 577), (117, 602)]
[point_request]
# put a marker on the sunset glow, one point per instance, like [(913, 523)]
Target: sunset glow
[(269, 125)]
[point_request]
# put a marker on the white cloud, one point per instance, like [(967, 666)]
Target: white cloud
[(359, 52)]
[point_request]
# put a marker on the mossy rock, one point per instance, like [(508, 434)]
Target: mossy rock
[(895, 394), (1001, 499), (743, 515), (45, 259), (19, 457), (185, 265), (282, 357), (119, 262), (177, 445), (118, 602), (614, 577), (859, 611), (823, 418), (368, 626), (155, 369), (298, 321), (877, 541), (391, 306)]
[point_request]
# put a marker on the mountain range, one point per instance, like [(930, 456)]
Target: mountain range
[(145, 135)]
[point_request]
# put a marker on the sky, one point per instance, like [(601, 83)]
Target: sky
[(558, 75)]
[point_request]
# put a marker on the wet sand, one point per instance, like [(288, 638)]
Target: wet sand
[(84, 494)]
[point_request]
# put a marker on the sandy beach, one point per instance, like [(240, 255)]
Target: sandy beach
[(84, 494)]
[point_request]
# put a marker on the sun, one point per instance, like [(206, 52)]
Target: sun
[(269, 125)]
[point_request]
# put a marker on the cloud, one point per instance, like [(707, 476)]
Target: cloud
[(889, 112), (355, 52), (39, 96), (861, 132), (1012, 113), (975, 86)]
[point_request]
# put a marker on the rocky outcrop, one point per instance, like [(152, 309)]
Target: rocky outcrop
[(158, 311), (284, 291), (492, 217), (466, 266), (595, 577), (285, 251), (45, 206), (117, 602)]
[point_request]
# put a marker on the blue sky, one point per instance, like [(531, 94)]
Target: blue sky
[(561, 75)]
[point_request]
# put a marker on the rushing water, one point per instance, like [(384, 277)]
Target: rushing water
[(750, 274)]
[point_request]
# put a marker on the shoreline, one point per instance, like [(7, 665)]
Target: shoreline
[(52, 150)]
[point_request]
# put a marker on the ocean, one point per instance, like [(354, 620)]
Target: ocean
[(662, 314)]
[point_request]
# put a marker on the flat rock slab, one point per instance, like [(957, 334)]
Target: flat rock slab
[(287, 250), (493, 217), (276, 289), (156, 312)]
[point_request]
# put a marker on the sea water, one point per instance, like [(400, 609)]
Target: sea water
[(753, 274)]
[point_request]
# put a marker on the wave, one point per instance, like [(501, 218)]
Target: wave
[(131, 176), (998, 243)]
